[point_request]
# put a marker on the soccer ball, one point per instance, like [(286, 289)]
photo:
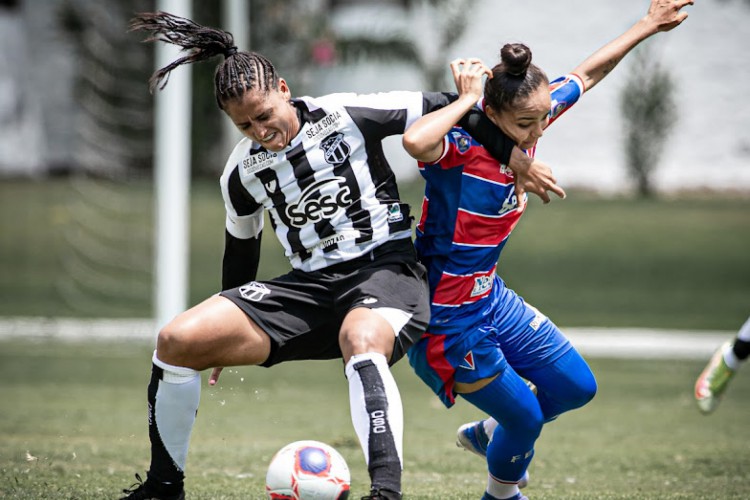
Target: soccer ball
[(307, 470)]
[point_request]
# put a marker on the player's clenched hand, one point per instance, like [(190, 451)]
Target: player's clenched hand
[(537, 179), (214, 378), (467, 75)]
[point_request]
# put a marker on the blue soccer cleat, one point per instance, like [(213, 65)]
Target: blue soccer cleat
[(472, 437)]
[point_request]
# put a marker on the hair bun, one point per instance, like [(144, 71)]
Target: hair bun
[(516, 57)]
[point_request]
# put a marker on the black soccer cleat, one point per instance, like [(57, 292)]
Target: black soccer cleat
[(382, 494), (153, 490)]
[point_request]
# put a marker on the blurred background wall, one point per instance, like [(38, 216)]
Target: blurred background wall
[(77, 225), (52, 52)]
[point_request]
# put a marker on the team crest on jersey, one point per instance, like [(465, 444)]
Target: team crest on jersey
[(463, 141), (468, 362), (482, 284), (557, 108), (254, 291), (335, 149)]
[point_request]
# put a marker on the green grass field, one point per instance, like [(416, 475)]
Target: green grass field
[(73, 426), (72, 417)]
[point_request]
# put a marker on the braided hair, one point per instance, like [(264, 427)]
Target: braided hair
[(238, 73), (514, 77)]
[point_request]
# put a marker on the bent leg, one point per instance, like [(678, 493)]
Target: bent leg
[(563, 385), (513, 405), (213, 333), (367, 340)]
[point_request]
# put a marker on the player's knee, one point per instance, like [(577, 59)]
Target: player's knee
[(362, 340), (583, 390), (173, 345), (523, 419)]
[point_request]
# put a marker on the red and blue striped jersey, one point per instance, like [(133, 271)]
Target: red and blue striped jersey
[(468, 213)]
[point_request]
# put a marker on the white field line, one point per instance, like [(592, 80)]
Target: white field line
[(590, 341)]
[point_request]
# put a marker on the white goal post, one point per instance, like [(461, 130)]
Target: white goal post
[(172, 162)]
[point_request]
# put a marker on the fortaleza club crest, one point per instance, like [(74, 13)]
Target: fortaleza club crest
[(335, 149)]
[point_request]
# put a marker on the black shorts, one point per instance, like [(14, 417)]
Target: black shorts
[(302, 312)]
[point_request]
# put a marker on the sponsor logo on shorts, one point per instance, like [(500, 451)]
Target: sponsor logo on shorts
[(538, 318), (254, 291)]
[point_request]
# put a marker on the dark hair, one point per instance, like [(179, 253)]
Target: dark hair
[(514, 77), (237, 74)]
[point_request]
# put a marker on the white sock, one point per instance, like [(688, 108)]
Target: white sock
[(732, 361), (501, 490), (362, 420), (489, 425), (177, 399)]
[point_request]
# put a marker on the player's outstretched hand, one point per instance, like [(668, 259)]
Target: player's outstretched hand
[(537, 179), (667, 14), (532, 176)]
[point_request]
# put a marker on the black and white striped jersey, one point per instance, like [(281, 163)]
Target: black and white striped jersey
[(331, 194)]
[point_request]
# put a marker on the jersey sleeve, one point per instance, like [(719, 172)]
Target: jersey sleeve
[(244, 216), (241, 261), (378, 115), (391, 113), (243, 229), (564, 92)]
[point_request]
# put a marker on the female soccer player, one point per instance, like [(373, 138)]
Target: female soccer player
[(356, 290), (484, 341)]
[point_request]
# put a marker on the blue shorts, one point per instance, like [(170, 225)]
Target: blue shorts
[(509, 332)]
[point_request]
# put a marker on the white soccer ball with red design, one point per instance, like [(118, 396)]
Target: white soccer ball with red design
[(307, 470)]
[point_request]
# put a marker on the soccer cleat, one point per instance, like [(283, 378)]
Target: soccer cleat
[(713, 381), (382, 494), (518, 496), (151, 490), (472, 437)]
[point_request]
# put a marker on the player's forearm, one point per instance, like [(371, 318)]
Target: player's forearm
[(424, 138), (519, 161), (240, 262), (601, 63)]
